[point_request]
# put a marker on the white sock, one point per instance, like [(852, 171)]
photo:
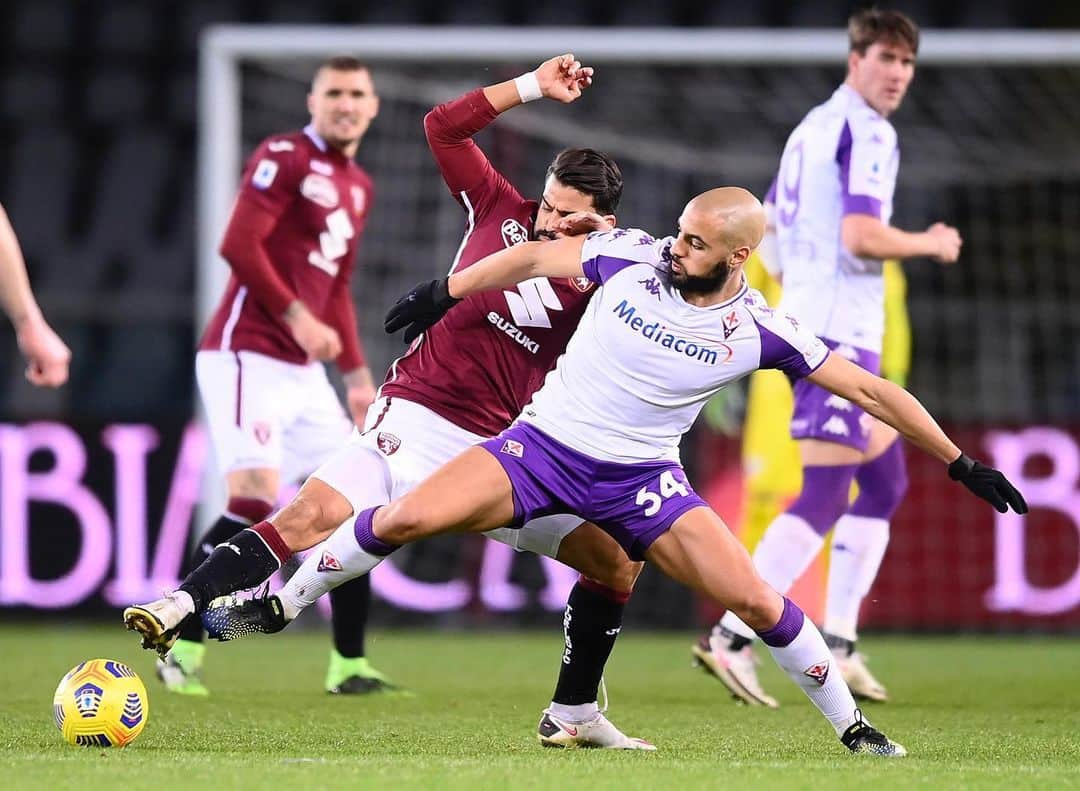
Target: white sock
[(334, 562), (858, 546), (575, 714), (811, 665), (784, 553)]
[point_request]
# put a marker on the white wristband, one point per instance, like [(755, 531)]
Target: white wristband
[(528, 87)]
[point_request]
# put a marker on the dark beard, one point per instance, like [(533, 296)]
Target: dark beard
[(701, 284)]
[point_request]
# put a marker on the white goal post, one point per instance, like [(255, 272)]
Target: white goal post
[(223, 47)]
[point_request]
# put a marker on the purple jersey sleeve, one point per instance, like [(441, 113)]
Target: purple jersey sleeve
[(863, 154), (786, 345), (608, 252)]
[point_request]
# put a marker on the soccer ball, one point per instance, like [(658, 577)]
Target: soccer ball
[(100, 703)]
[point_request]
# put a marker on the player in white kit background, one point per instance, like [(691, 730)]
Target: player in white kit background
[(830, 207), (672, 323)]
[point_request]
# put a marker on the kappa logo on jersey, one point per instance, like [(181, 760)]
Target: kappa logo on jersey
[(865, 423), (731, 323), (819, 672), (847, 352), (652, 285), (359, 199), (262, 431), (388, 443), (329, 563), (322, 167), (794, 322), (319, 190), (277, 146), (264, 174), (838, 403), (582, 284), (644, 240), (512, 447), (836, 425), (513, 232)]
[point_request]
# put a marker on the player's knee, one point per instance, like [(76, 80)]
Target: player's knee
[(824, 496), (883, 483), (618, 573), (303, 523), (404, 520), (756, 606)]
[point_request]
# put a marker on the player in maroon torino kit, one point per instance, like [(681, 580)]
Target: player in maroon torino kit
[(461, 382), (291, 243)]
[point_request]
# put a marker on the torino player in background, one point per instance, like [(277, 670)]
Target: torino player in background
[(47, 357), (457, 385), (273, 415), (831, 203)]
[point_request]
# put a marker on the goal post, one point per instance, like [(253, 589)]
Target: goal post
[(988, 137), (223, 47)]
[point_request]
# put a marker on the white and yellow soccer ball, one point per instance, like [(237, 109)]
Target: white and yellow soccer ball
[(100, 703)]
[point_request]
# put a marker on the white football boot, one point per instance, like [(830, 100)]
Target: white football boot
[(859, 679), (736, 669), (597, 732), (159, 621)]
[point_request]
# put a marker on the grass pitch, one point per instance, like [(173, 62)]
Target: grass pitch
[(974, 712)]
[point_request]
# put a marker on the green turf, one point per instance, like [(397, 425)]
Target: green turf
[(973, 712)]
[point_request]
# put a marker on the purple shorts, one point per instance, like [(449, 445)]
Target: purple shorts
[(633, 503), (821, 415)]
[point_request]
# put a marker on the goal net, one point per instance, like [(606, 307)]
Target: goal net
[(988, 137)]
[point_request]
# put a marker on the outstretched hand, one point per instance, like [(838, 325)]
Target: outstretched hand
[(988, 483), (422, 307), (563, 78)]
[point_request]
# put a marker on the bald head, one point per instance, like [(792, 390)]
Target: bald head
[(733, 214)]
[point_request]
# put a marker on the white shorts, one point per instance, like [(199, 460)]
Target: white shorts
[(402, 444), (269, 414)]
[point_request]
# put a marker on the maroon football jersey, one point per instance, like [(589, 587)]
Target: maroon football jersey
[(321, 199), (481, 363)]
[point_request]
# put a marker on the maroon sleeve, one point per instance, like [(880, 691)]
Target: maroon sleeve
[(465, 168), (341, 315), (244, 249)]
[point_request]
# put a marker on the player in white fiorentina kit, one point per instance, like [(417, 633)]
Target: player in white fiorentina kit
[(291, 244), (671, 323), (831, 204)]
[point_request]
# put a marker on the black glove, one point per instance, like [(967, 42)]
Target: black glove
[(420, 308), (988, 484)]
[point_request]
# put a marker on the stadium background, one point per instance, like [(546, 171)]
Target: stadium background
[(98, 122)]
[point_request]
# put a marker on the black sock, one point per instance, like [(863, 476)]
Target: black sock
[(591, 623), (222, 530), (244, 561), (349, 604)]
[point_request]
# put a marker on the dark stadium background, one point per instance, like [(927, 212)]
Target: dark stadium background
[(97, 170)]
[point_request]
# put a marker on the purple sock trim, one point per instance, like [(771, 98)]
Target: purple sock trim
[(824, 495), (787, 628), (882, 484), (367, 540)]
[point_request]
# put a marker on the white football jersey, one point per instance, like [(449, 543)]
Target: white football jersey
[(643, 361), (842, 159)]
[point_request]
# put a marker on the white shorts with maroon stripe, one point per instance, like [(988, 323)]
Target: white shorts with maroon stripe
[(402, 444), (269, 414)]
